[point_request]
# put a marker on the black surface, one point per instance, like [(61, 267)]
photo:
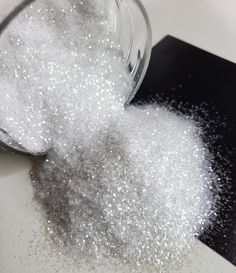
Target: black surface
[(192, 76)]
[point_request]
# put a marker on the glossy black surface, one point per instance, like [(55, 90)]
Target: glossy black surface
[(192, 76)]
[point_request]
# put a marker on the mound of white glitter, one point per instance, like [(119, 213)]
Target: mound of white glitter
[(138, 191), (130, 185)]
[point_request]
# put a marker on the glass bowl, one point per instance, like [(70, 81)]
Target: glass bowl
[(135, 39)]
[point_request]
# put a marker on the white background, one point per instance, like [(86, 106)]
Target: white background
[(209, 24)]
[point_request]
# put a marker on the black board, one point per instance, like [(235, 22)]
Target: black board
[(193, 76)]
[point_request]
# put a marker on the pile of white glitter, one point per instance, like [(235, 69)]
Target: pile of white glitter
[(129, 185)]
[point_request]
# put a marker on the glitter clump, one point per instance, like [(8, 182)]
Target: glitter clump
[(131, 185)]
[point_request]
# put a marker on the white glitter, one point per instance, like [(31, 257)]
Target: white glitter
[(131, 185)]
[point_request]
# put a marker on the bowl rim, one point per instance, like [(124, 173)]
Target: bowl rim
[(148, 50)]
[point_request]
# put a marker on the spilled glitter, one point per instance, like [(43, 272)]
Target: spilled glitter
[(132, 186)]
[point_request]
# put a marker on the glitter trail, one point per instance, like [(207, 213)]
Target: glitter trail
[(129, 185)]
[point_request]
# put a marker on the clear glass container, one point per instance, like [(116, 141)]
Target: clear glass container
[(135, 38)]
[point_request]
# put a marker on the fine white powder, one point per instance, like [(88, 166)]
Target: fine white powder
[(131, 185)]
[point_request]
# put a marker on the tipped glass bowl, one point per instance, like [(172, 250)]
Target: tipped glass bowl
[(135, 38)]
